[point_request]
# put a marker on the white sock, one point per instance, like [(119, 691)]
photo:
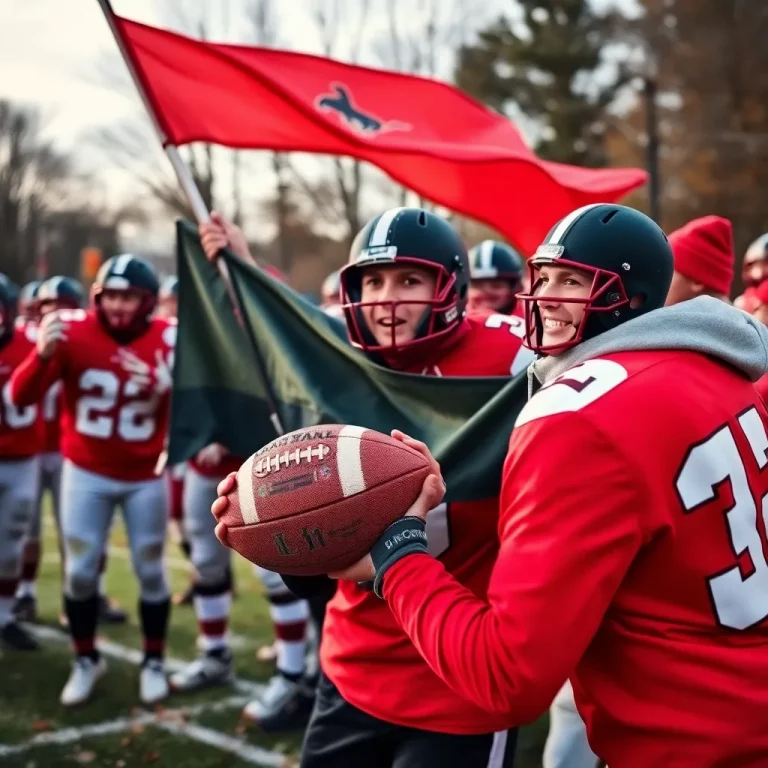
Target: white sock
[(26, 589)]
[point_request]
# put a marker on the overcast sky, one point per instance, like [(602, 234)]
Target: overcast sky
[(53, 54)]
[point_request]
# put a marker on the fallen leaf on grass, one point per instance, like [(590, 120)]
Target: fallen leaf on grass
[(150, 757), (125, 741), (85, 757), (38, 726), (176, 716), (137, 728), (120, 764)]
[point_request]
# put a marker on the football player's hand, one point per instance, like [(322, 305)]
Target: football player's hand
[(52, 331), (211, 455), (219, 233), (433, 490), (163, 375), (219, 507)]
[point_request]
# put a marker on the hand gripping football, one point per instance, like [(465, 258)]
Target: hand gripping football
[(316, 500)]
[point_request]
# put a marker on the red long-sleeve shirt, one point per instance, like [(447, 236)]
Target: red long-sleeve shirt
[(632, 559)]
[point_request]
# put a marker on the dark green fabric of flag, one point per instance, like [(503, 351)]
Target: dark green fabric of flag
[(317, 378)]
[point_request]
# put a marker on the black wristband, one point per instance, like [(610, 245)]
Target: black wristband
[(404, 537)]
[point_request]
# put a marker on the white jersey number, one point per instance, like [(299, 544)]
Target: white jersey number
[(740, 602), (515, 325), (11, 415), (96, 417)]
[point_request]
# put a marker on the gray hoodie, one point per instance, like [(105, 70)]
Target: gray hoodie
[(704, 324)]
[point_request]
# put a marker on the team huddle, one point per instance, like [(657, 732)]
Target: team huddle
[(622, 566)]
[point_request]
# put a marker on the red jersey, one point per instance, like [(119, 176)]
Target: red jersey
[(51, 413), (20, 428), (115, 403), (633, 559), (228, 464), (361, 640)]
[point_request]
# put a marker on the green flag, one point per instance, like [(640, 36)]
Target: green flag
[(317, 378)]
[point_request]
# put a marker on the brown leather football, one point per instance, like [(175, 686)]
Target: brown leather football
[(317, 499)]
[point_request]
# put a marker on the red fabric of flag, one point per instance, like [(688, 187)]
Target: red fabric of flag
[(427, 135)]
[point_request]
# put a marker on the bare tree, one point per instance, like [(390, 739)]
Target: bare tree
[(328, 15)]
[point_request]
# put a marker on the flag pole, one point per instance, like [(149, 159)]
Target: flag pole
[(199, 209)]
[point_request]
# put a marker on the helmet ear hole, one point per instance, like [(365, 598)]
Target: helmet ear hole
[(422, 220), (608, 216)]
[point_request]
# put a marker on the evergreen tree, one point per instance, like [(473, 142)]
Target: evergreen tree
[(546, 65)]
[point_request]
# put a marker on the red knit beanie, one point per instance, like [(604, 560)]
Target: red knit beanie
[(703, 251)]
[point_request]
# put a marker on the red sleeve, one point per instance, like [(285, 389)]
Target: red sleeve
[(33, 377), (569, 527)]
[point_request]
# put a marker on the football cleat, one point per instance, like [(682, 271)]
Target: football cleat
[(153, 684), (284, 705), (204, 672), (14, 636), (109, 613), (85, 674), (25, 608)]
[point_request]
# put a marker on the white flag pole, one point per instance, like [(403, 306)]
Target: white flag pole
[(199, 209)]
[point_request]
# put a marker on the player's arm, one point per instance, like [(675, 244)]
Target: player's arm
[(569, 530), (43, 365)]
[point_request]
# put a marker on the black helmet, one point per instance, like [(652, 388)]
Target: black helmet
[(169, 288), (329, 292), (9, 297), (29, 305), (420, 238), (493, 259), (133, 275), (61, 292), (626, 253)]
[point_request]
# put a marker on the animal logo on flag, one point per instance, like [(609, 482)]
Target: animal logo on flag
[(341, 102)]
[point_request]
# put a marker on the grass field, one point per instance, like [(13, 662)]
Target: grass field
[(200, 730)]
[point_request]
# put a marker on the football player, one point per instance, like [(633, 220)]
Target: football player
[(168, 300), (754, 272), (496, 271), (212, 583), (51, 295), (330, 296), (28, 305), (404, 295), (20, 441), (633, 552), (114, 362)]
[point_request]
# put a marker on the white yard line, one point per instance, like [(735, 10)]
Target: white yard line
[(242, 749), (170, 720), (134, 656)]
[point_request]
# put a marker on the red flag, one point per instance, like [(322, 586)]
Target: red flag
[(429, 136)]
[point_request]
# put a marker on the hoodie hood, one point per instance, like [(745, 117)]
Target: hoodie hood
[(704, 324)]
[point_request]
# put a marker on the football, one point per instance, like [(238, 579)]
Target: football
[(316, 500)]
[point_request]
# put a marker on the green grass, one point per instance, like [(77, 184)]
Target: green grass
[(30, 683)]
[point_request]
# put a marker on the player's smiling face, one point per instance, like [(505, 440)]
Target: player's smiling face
[(395, 324), (120, 307), (561, 319)]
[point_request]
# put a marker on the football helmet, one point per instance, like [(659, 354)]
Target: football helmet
[(130, 274), (626, 253), (29, 306), (9, 296), (422, 239), (169, 288), (329, 292), (495, 260), (60, 293)]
